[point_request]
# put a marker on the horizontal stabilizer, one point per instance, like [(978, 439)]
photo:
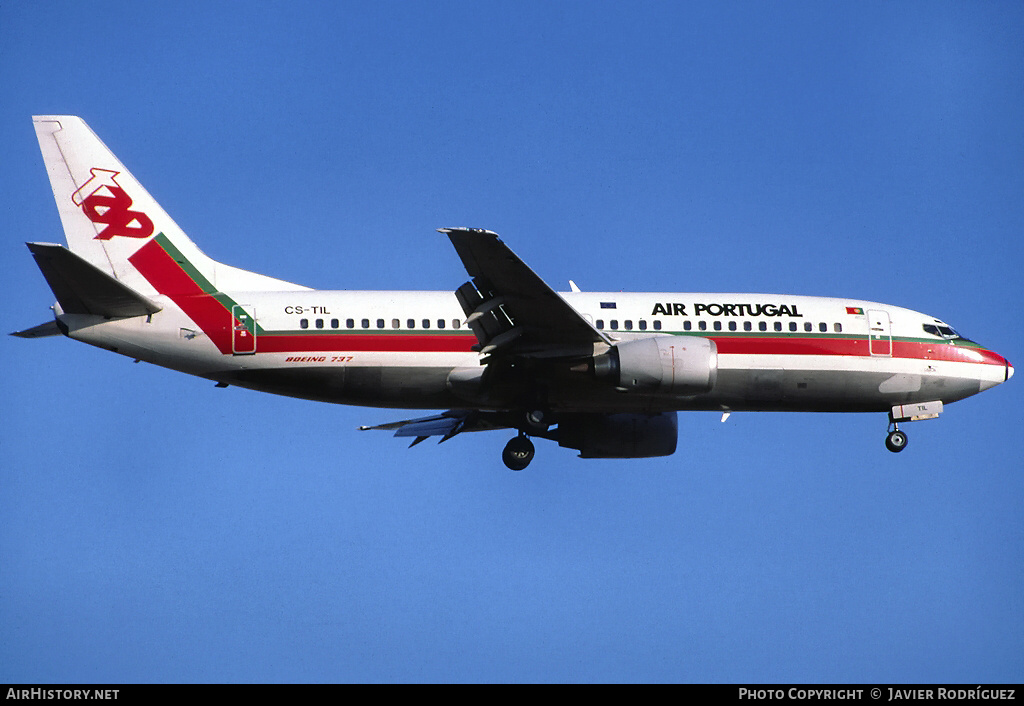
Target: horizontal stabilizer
[(42, 330), (83, 288)]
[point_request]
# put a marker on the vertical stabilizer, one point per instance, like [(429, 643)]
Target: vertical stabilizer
[(106, 214), (113, 223)]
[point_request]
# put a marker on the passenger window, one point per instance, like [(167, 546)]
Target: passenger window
[(732, 325), (718, 325), (335, 323), (687, 325), (823, 327), (838, 328), (614, 324), (426, 323), (808, 326), (303, 323), (395, 323), (319, 323), (600, 323), (762, 325), (643, 325), (702, 325), (456, 323), (350, 323), (440, 323), (792, 326), (365, 323), (629, 324), (411, 323), (778, 325), (747, 326), (657, 325), (380, 323)]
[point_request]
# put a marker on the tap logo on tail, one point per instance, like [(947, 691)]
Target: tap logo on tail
[(103, 201)]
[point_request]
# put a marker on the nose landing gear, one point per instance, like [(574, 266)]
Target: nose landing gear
[(518, 452), (896, 440)]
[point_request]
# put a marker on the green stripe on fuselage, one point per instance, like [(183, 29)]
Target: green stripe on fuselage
[(204, 284)]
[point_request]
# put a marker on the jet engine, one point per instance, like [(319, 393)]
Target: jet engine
[(683, 365), (620, 435)]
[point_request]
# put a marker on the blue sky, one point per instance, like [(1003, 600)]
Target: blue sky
[(158, 529)]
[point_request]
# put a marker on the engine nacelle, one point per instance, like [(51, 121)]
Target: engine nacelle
[(620, 435), (683, 365)]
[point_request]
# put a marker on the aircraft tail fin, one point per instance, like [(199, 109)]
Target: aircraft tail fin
[(112, 223), (106, 214)]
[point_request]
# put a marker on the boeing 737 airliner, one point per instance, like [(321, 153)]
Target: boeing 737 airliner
[(601, 372)]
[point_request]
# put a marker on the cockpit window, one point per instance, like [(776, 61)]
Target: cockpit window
[(944, 332)]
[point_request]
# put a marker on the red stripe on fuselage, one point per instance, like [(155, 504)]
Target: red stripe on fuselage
[(344, 342), (168, 278), (770, 345), (855, 347)]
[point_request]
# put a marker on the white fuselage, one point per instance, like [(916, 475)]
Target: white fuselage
[(398, 348)]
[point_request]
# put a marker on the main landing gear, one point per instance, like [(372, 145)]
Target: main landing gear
[(896, 441), (518, 452)]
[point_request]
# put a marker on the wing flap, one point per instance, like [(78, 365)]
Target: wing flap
[(446, 425), (437, 425), (429, 427)]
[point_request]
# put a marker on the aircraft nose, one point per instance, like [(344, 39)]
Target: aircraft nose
[(1009, 370)]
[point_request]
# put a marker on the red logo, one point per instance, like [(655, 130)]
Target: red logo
[(103, 201)]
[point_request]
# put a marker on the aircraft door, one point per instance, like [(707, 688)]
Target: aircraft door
[(879, 333), (243, 330)]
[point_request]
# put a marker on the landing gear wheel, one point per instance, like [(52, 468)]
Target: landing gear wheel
[(518, 453), (896, 441)]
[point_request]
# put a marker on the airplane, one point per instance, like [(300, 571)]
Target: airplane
[(603, 373)]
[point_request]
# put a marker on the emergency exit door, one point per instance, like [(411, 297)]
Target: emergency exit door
[(879, 333), (243, 330)]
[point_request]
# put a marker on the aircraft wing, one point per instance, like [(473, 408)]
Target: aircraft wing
[(511, 309), (513, 312), (446, 425)]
